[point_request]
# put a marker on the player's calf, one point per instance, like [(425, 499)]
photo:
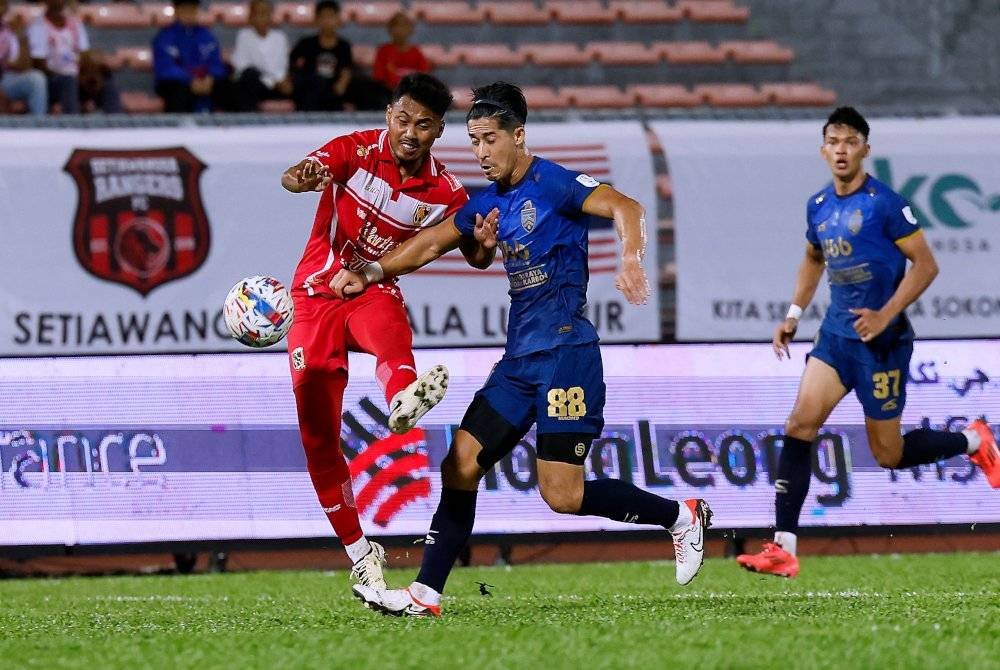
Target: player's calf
[(412, 403)]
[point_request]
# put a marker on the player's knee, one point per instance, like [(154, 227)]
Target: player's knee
[(563, 500), (800, 427), (460, 470), (887, 456)]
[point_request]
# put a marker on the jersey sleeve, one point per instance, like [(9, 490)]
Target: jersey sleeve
[(338, 156), (570, 189), (811, 237), (899, 221), (465, 219), (458, 195)]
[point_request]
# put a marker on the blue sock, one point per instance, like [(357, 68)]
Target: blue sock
[(924, 445), (792, 483), (450, 530), (621, 501)]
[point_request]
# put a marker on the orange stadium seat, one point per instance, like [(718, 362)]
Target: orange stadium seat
[(516, 13), (713, 11), (690, 53), (489, 55), (134, 58), (158, 13), (370, 13), (597, 97), (664, 95), (440, 56), (757, 52), (114, 16), (276, 106), (623, 53), (363, 54), (582, 12), (798, 95), (294, 13), (555, 54), (448, 13), (140, 102), (544, 97), (645, 11), (232, 15), (731, 95)]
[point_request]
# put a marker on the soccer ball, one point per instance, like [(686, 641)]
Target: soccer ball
[(258, 311)]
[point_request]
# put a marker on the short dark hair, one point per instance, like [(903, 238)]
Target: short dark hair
[(847, 116), (426, 89), (501, 101), (327, 4)]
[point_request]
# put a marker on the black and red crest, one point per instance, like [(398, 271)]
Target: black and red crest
[(140, 220)]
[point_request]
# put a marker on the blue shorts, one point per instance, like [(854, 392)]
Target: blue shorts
[(876, 371), (561, 390)]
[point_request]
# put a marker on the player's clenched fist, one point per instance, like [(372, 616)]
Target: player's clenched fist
[(346, 283), (485, 231)]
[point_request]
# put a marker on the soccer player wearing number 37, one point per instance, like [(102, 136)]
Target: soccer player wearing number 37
[(862, 233), (551, 373)]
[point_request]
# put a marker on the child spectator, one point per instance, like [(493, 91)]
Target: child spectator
[(18, 81), (187, 64), (398, 58), (321, 64)]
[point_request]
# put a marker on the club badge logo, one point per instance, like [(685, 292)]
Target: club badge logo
[(528, 216)]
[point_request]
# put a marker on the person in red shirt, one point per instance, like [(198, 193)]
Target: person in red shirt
[(379, 188), (398, 58)]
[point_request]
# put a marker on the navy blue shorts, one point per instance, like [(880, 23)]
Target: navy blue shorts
[(876, 371)]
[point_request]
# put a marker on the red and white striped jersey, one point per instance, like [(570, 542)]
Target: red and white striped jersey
[(368, 209)]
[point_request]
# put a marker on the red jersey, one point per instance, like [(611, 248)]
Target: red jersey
[(391, 64), (368, 209)]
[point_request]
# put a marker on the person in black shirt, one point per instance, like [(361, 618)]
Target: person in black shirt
[(320, 65)]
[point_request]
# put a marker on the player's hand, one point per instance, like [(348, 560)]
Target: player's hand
[(347, 283), (631, 281), (783, 334), (311, 176), (869, 323), (485, 231)]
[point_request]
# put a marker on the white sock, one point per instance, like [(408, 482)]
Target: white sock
[(787, 541), (684, 519), (974, 440), (358, 550), (425, 594)]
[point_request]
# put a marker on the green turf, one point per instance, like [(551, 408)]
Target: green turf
[(930, 611)]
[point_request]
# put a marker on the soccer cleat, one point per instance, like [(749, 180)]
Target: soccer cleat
[(409, 405), (772, 560), (987, 457), (395, 602), (368, 570), (689, 542)]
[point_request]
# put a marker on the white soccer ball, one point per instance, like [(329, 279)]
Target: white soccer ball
[(258, 311)]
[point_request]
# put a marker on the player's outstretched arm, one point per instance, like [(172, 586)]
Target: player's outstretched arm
[(630, 222), (806, 280), (306, 175), (923, 270)]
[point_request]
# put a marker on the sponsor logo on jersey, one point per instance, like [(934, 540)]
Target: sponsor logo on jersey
[(580, 449), (855, 222), (908, 215), (140, 220), (528, 216), (889, 405)]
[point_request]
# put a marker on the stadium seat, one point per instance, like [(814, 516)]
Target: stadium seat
[(798, 95), (140, 102), (276, 106), (231, 15), (115, 15), (757, 52), (690, 53), (713, 11), (363, 54), (370, 13), (440, 56), (645, 12), (516, 13), (596, 97), (664, 95), (663, 187), (134, 58), (294, 13), (731, 95), (623, 53), (28, 13), (158, 13), (555, 54), (489, 55), (447, 13), (582, 12), (544, 97)]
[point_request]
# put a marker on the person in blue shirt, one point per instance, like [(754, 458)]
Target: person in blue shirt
[(862, 233), (551, 375), (187, 64)]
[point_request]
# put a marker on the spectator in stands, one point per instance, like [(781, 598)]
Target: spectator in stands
[(398, 58), (260, 60), (187, 64), (18, 81), (321, 65), (59, 46)]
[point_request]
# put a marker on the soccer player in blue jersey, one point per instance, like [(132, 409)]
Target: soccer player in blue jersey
[(551, 374), (863, 233)]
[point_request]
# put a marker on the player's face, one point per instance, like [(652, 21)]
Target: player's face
[(412, 129), (496, 149), (844, 150)]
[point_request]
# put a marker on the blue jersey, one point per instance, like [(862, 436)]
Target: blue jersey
[(857, 234), (542, 235)]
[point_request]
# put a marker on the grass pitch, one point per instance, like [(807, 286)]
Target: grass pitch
[(929, 611)]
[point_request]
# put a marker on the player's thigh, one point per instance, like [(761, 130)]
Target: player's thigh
[(561, 485), (460, 468), (882, 371), (500, 413), (571, 399), (885, 439), (316, 341), (377, 323), (820, 390)]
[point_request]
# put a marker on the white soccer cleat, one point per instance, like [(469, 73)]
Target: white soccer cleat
[(689, 542), (368, 570), (397, 602), (409, 405)]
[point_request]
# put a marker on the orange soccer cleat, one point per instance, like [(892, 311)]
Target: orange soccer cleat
[(987, 457), (772, 560)]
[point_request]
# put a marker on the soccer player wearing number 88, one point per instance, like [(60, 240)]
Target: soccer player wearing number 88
[(862, 233), (551, 373)]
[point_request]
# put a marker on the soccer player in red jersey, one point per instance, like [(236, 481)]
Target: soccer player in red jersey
[(379, 188)]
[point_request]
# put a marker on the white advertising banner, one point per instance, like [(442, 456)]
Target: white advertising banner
[(740, 192), (128, 240)]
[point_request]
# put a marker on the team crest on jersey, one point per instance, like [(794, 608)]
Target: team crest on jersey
[(420, 214), (528, 216), (140, 220), (855, 222)]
